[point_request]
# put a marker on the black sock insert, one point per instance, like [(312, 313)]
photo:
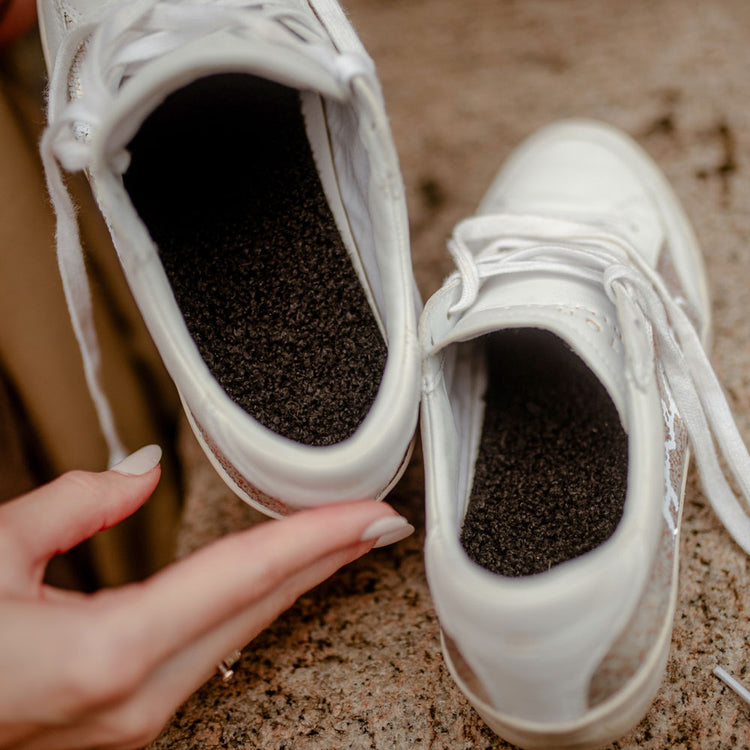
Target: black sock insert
[(223, 176), (551, 473)]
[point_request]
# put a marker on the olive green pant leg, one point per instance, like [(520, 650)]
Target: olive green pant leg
[(39, 355)]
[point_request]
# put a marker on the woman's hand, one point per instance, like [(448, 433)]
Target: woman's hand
[(109, 669)]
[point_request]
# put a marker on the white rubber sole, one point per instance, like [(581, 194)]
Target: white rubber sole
[(599, 727)]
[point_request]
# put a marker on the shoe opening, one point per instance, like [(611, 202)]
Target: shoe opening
[(223, 177), (551, 472)]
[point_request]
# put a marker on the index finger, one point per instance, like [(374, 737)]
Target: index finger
[(193, 596)]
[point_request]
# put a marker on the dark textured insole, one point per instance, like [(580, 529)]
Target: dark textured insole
[(551, 473), (223, 176)]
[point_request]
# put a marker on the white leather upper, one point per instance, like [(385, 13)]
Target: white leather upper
[(534, 642), (335, 68)]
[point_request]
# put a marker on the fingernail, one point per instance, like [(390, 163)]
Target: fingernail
[(387, 530), (140, 462)]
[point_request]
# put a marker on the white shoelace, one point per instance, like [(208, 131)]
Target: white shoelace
[(103, 53), (653, 324)]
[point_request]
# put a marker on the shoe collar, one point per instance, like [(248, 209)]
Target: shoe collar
[(115, 68)]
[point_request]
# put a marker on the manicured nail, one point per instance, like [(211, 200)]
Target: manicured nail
[(387, 530), (140, 462)]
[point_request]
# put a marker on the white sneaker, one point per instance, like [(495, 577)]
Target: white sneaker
[(241, 156), (563, 372)]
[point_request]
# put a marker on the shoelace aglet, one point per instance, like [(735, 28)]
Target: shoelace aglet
[(738, 687)]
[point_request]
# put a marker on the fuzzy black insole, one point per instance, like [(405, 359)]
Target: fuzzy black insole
[(551, 473), (224, 179)]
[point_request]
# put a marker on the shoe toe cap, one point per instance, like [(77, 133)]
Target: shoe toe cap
[(576, 170)]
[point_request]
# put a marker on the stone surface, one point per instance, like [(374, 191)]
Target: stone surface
[(356, 663)]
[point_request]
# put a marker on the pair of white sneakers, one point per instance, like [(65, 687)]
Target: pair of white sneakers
[(240, 153)]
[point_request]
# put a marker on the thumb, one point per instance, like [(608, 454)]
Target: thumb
[(59, 515)]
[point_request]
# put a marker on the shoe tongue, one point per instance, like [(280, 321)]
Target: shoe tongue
[(304, 66), (578, 312)]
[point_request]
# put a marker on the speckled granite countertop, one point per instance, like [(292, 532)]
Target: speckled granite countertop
[(356, 663)]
